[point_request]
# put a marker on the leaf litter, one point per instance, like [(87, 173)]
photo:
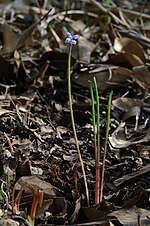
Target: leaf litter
[(38, 153)]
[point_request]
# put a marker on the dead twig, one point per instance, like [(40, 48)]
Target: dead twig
[(9, 142)]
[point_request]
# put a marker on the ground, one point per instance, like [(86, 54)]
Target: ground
[(40, 172)]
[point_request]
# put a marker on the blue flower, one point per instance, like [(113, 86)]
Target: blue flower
[(71, 39)]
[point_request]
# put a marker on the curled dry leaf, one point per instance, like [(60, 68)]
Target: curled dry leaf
[(8, 34), (131, 107), (59, 210), (124, 103), (118, 138), (108, 78), (144, 41), (138, 197), (125, 59), (134, 111), (124, 179), (77, 200), (31, 182), (142, 76), (128, 45), (130, 216)]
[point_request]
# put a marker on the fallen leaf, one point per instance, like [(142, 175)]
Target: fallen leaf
[(142, 76), (128, 45), (9, 34), (58, 60), (4, 111), (77, 200), (108, 77), (118, 138), (130, 216), (6, 74), (125, 60), (30, 182), (125, 104), (126, 178)]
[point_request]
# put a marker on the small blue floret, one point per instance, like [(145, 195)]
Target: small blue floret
[(71, 39), (75, 37)]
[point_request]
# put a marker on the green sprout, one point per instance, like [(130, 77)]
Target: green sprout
[(29, 221), (107, 3), (105, 144), (99, 181), (96, 134)]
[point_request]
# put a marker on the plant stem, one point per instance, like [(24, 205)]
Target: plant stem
[(95, 143), (97, 163), (73, 126), (93, 118), (105, 145)]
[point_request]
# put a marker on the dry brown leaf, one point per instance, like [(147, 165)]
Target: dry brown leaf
[(125, 60), (30, 182), (144, 41), (77, 200), (122, 180), (18, 41), (125, 104), (131, 107), (92, 215), (118, 138), (58, 60), (33, 181), (59, 210), (130, 216), (108, 77), (4, 111), (142, 76), (137, 198), (6, 73), (10, 39), (133, 111), (128, 45)]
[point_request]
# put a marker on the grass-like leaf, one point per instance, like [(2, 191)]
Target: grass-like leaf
[(105, 144), (99, 180)]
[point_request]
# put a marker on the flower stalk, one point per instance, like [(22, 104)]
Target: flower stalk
[(72, 40)]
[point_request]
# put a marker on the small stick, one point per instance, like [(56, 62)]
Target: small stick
[(9, 143)]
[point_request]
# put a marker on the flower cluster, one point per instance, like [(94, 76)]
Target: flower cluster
[(71, 39)]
